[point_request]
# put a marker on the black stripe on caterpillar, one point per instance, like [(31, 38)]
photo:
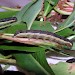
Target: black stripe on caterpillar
[(8, 19)]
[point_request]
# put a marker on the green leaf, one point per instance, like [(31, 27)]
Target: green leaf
[(53, 2), (28, 62), (67, 23), (13, 28), (41, 58), (2, 56), (7, 14), (63, 68), (45, 26), (37, 25), (8, 45), (65, 32), (30, 15), (9, 9), (47, 8), (21, 13)]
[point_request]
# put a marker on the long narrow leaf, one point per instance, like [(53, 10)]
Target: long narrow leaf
[(7, 14), (47, 8), (44, 26), (53, 2), (66, 32), (30, 15), (13, 28), (28, 62), (8, 45), (67, 23), (21, 13), (41, 58)]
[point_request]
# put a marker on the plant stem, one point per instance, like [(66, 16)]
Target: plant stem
[(8, 61), (10, 9)]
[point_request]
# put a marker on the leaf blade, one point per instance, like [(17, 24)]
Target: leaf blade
[(34, 9), (28, 62)]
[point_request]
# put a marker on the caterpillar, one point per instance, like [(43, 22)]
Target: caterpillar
[(38, 37), (5, 21)]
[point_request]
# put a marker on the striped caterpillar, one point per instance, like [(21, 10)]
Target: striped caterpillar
[(38, 37), (4, 22)]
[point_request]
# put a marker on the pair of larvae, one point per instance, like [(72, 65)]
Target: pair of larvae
[(39, 35)]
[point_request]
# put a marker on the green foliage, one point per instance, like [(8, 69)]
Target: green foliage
[(29, 13), (53, 2), (68, 22), (7, 14), (65, 32), (20, 14), (47, 8), (45, 26), (28, 62), (14, 28), (41, 55), (63, 68), (33, 58)]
